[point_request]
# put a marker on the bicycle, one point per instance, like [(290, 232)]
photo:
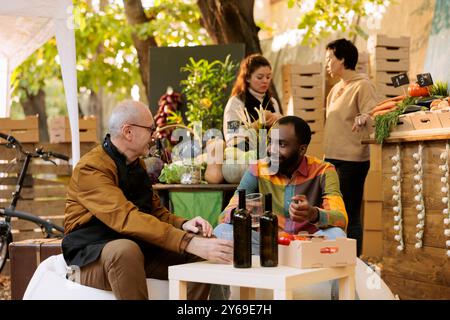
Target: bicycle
[(50, 229)]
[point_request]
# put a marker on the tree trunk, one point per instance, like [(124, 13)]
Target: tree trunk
[(136, 15), (35, 104), (95, 107), (232, 21)]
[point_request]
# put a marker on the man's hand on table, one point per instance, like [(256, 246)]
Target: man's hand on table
[(212, 249)]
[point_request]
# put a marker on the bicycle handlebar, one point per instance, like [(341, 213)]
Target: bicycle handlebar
[(39, 153)]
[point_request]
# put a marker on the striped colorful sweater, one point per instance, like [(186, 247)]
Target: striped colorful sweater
[(314, 178)]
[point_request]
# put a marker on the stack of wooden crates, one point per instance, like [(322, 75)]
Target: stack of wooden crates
[(303, 96), (390, 58)]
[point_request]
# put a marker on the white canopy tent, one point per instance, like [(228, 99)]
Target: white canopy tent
[(25, 25)]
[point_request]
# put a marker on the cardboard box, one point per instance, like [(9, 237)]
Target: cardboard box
[(372, 243), (25, 130), (373, 187), (372, 215), (25, 256), (318, 253)]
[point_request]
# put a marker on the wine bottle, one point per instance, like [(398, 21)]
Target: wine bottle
[(242, 234), (268, 235)]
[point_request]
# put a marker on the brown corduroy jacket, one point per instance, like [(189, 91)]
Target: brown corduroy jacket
[(94, 192)]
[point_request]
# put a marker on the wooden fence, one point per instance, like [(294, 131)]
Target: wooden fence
[(44, 190)]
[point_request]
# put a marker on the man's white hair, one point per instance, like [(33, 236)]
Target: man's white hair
[(125, 112)]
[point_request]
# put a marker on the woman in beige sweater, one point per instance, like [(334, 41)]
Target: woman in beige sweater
[(348, 105)]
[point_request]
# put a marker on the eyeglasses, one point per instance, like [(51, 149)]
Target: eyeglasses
[(151, 129)]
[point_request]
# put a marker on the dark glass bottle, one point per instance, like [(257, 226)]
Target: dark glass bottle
[(242, 234), (268, 233)]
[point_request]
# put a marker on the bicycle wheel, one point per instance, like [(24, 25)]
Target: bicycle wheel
[(5, 240)]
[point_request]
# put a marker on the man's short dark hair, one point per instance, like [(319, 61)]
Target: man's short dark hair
[(302, 129), (344, 49)]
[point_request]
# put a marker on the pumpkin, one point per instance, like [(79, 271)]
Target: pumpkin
[(233, 172), (415, 90)]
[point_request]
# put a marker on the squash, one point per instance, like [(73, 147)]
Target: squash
[(213, 173), (233, 172)]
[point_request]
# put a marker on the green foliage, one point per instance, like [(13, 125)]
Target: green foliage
[(174, 23), (439, 89), (206, 90), (106, 56), (320, 18)]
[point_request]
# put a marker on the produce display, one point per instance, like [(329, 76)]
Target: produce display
[(387, 112)]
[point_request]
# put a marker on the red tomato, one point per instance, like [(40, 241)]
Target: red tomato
[(301, 238), (286, 235), (284, 241)]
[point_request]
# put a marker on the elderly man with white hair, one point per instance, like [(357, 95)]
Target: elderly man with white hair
[(117, 231)]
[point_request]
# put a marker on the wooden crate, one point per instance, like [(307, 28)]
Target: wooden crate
[(385, 77), (415, 273), (310, 114), (316, 125), (388, 90), (290, 80), (302, 69), (305, 92), (59, 129), (397, 65), (25, 130), (385, 53), (317, 137), (394, 42), (315, 150)]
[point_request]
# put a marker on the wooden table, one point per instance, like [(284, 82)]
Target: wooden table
[(282, 280)]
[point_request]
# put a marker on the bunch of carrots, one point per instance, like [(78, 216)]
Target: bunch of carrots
[(386, 106)]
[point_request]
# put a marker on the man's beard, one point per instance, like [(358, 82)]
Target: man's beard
[(286, 164)]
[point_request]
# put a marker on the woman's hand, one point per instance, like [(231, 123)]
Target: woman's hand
[(361, 120), (271, 117), (198, 224)]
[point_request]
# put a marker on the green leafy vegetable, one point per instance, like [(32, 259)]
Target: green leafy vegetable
[(386, 122)]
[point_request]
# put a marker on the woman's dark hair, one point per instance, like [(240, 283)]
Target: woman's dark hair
[(248, 66), (302, 129), (344, 49)]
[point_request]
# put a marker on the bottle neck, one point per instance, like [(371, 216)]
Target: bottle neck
[(241, 199)]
